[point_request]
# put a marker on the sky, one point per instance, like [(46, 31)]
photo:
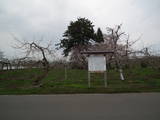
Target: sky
[(33, 19)]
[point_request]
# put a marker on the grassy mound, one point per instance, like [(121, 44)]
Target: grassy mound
[(36, 81)]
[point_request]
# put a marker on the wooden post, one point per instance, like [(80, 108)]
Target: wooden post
[(89, 79), (65, 69), (65, 72), (105, 79)]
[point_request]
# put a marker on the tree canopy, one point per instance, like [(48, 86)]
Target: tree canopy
[(79, 33)]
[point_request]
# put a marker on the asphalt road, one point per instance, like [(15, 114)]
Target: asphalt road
[(134, 106)]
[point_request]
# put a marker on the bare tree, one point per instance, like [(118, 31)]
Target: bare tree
[(5, 63), (23, 62), (33, 47), (147, 58), (115, 35), (77, 59)]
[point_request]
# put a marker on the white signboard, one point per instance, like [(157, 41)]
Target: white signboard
[(96, 63)]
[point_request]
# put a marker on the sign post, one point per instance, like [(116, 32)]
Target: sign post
[(96, 64)]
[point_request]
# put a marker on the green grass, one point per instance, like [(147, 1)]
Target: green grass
[(23, 81)]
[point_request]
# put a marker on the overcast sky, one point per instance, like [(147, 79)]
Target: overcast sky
[(49, 18)]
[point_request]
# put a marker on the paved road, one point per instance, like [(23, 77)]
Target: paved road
[(144, 106)]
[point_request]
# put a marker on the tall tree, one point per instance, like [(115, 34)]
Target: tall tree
[(79, 34), (99, 36)]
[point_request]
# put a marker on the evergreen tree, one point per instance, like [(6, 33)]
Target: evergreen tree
[(99, 36), (79, 33)]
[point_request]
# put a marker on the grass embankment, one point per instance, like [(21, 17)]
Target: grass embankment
[(25, 81)]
